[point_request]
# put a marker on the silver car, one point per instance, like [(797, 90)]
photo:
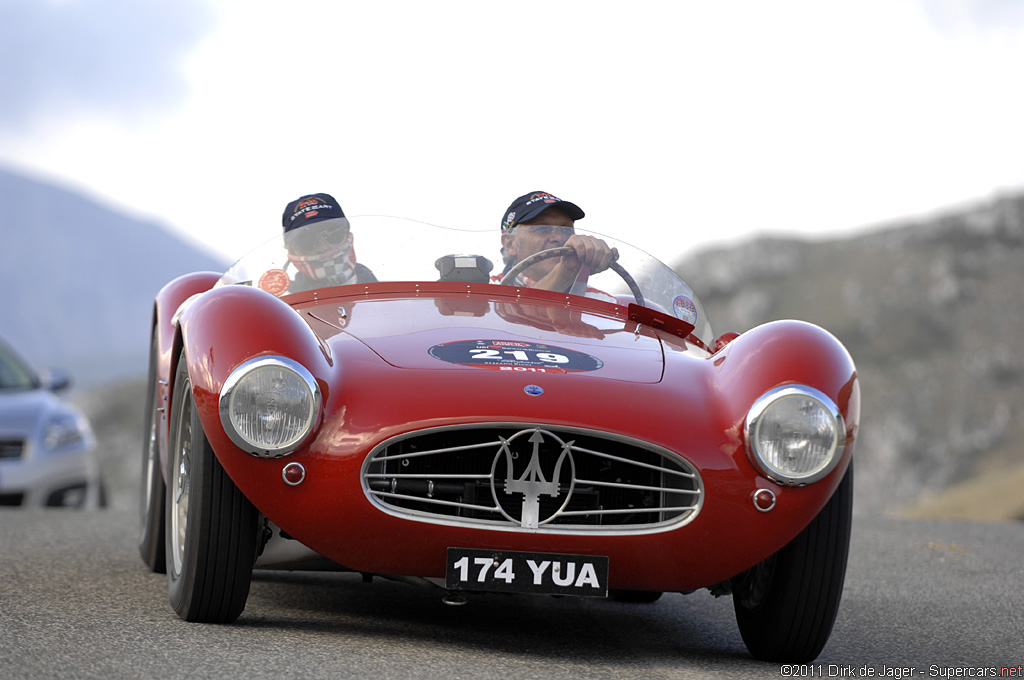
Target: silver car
[(47, 449)]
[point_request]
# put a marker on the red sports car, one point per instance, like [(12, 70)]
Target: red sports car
[(428, 419)]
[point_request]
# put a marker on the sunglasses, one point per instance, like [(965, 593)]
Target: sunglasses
[(546, 230), (311, 240)]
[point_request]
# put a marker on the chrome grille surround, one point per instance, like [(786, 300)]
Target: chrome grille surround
[(535, 478)]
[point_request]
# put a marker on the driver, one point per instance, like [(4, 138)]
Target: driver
[(319, 243), (540, 221)]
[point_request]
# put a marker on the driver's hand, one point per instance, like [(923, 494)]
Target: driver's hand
[(590, 251)]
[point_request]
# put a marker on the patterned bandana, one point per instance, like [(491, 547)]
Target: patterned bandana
[(334, 267)]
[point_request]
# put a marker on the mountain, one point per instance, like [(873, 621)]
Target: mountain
[(931, 311), (79, 279)]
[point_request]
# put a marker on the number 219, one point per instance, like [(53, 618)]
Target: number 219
[(519, 355)]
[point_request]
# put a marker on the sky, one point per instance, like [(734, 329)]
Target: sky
[(676, 125)]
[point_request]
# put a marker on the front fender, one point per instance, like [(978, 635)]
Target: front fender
[(786, 353), (226, 326), (789, 352), (166, 303)]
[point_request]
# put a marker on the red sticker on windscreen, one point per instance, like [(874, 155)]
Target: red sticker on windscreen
[(275, 282), (513, 355), (684, 309)]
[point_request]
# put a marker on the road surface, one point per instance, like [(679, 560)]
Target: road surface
[(923, 599)]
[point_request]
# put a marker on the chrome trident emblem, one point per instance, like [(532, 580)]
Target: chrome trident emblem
[(532, 483)]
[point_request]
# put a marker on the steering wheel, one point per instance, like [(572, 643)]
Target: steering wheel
[(528, 262)]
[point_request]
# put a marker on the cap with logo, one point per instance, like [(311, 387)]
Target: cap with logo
[(528, 206), (309, 209)]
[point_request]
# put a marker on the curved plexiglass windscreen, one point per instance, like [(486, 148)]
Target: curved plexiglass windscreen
[(368, 249)]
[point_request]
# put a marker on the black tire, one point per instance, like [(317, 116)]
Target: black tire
[(211, 528), (786, 605), (151, 487)]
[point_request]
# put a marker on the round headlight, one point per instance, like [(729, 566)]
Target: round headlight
[(269, 406), (795, 434)]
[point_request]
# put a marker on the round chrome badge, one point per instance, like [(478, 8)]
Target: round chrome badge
[(534, 390)]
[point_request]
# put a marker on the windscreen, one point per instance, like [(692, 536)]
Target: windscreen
[(368, 249)]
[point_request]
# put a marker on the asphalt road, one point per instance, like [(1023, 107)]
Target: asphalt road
[(943, 599)]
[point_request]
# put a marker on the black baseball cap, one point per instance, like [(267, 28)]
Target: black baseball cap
[(309, 209), (530, 205)]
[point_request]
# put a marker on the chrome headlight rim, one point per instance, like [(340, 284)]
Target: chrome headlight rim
[(228, 390), (753, 422)]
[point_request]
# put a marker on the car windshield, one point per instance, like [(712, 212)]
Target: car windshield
[(362, 250), (14, 373)]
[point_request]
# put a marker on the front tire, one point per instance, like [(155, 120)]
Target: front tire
[(786, 605), (151, 489), (211, 528)]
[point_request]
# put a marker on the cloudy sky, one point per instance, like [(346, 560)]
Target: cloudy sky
[(673, 124)]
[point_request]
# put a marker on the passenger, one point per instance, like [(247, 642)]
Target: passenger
[(539, 221), (319, 243)]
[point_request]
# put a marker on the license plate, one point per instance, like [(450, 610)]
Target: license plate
[(499, 571)]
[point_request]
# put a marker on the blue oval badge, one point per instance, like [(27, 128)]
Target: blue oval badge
[(534, 390)]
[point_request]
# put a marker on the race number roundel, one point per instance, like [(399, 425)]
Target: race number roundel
[(512, 355), (684, 309)]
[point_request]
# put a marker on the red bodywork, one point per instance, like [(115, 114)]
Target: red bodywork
[(367, 346)]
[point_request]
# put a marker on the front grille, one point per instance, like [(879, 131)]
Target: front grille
[(532, 478), (11, 448)]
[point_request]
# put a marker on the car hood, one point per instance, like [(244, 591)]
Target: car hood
[(446, 333), (23, 412)]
